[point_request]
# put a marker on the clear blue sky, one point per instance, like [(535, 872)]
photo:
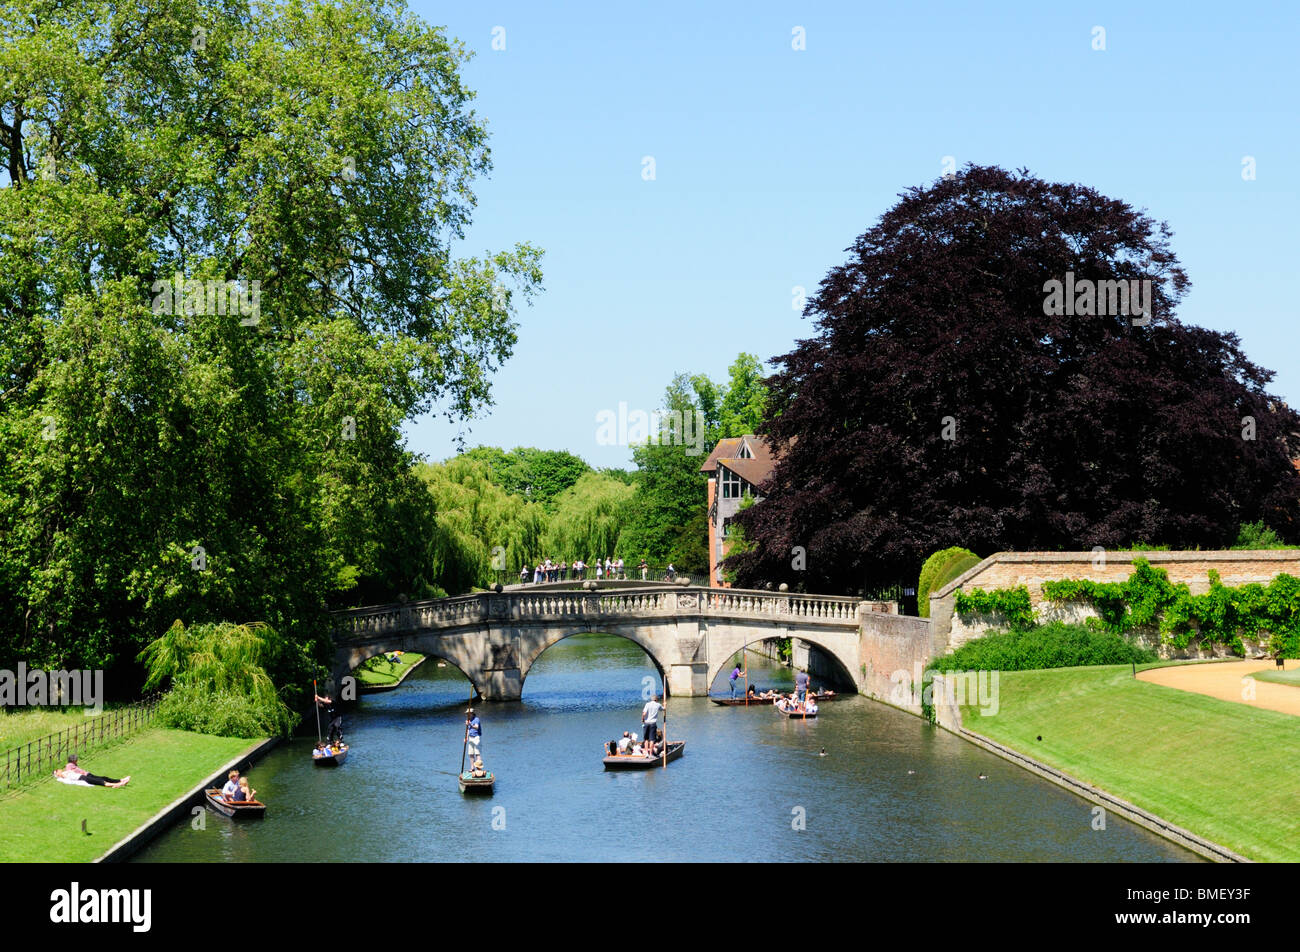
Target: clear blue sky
[(770, 161)]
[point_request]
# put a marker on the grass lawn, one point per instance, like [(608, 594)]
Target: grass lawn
[(42, 823), (1226, 771), (1280, 677), (18, 725), (379, 670)]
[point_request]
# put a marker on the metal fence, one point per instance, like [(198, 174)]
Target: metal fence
[(39, 757)]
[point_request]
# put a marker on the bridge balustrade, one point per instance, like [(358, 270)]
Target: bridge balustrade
[(364, 623)]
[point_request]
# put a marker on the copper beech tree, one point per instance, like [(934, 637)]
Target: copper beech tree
[(990, 370)]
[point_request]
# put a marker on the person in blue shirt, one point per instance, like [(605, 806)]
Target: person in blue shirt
[(473, 735)]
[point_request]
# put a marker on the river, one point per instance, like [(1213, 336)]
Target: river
[(751, 786)]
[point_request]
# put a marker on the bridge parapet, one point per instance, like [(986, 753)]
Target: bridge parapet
[(362, 624)]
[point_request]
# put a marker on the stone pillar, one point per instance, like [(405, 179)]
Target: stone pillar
[(503, 684), (688, 680)]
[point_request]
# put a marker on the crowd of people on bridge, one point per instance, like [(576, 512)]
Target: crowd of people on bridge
[(578, 570)]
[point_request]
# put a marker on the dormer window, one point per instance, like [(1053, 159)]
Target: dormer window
[(733, 487), (744, 452)]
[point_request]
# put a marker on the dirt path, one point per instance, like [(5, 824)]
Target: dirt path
[(1225, 681)]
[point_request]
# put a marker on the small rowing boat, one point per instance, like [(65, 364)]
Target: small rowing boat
[(479, 785), (642, 762), (759, 701), (789, 711), (235, 809), (331, 759)]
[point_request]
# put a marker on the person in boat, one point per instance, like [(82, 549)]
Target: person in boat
[(801, 685), (625, 743), (752, 693), (650, 718), (334, 713), (735, 676), (232, 784), (810, 706), (473, 734), (245, 793)]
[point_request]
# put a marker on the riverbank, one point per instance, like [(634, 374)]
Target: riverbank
[(44, 823), (1221, 770), (380, 674)]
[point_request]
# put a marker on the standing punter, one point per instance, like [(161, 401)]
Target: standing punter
[(473, 735), (650, 718)]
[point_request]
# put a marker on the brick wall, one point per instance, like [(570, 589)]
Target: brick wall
[(1032, 569)]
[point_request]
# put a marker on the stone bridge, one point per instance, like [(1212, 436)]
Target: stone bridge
[(688, 632)]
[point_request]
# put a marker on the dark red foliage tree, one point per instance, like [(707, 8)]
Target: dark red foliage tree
[(951, 398)]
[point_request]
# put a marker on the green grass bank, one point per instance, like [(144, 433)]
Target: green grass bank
[(42, 823), (380, 672), (1225, 771)]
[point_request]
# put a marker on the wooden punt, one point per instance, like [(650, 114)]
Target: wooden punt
[(632, 762), (330, 760), (238, 810), (795, 715), (477, 785), (760, 701)]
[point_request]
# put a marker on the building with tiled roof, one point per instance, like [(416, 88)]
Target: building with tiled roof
[(736, 468)]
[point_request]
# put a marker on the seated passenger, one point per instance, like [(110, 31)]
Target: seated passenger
[(231, 786), (625, 743), (478, 770)]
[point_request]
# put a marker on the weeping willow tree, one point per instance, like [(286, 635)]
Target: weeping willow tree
[(217, 675), (481, 532), (588, 518)]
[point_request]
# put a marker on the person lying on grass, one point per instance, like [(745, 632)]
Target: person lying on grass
[(71, 773)]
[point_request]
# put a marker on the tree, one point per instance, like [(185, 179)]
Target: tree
[(588, 518), (947, 398), (482, 533), (226, 279), (538, 475), (744, 399)]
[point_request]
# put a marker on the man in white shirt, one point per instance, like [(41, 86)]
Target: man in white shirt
[(625, 743), (231, 785), (650, 718)]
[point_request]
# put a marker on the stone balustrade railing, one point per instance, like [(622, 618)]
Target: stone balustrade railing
[(530, 606)]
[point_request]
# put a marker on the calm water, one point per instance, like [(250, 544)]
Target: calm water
[(746, 778)]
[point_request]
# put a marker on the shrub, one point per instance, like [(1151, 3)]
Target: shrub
[(218, 680), (1054, 645), (940, 569), (1011, 603)]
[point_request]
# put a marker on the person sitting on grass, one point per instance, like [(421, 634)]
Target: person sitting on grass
[(71, 773)]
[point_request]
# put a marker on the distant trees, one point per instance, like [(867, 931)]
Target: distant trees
[(946, 400), (667, 519)]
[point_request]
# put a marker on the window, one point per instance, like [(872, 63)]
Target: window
[(744, 452), (733, 487)]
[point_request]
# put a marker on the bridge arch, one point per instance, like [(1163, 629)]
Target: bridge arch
[(431, 645), (841, 651), (554, 635)]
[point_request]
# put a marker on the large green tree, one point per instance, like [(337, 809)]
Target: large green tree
[(229, 449)]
